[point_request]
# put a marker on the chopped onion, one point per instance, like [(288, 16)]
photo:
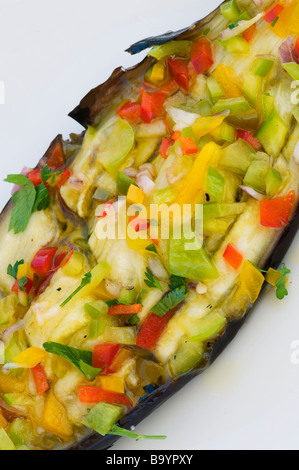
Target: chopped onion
[(287, 51), (75, 181), (296, 153), (181, 118), (201, 288), (171, 178), (17, 326), (252, 193), (131, 172), (145, 183), (157, 268), (242, 26), (113, 288), (12, 365)]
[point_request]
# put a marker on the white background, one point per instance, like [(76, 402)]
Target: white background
[(51, 54)]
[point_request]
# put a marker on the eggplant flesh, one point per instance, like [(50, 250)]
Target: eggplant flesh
[(73, 218)]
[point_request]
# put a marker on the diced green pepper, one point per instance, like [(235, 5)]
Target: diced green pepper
[(18, 399), (186, 357), (7, 308), (205, 328), (267, 105), (256, 174), (272, 134), (234, 105), (5, 441), (214, 210), (252, 86), (178, 48), (188, 132), (164, 196), (273, 182), (230, 10), (293, 69), (123, 182), (236, 45), (117, 146), (215, 90), (97, 328), (214, 226), (237, 157), (215, 184), (21, 432), (262, 66), (12, 348), (190, 264), (103, 417), (127, 296), (96, 309), (224, 132)]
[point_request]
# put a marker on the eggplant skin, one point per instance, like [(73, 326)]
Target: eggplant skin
[(89, 112)]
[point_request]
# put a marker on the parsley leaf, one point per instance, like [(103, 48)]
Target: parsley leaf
[(152, 248), (42, 199), (176, 281), (81, 359), (22, 283), (13, 270), (170, 301), (281, 291), (86, 280), (151, 280), (46, 174), (24, 201)]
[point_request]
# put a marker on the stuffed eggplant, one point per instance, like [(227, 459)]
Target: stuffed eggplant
[(95, 331)]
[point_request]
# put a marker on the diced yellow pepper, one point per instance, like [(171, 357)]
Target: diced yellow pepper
[(31, 357), (294, 20), (228, 80), (273, 276), (135, 195), (25, 270), (55, 419), (196, 178), (282, 25), (122, 357), (98, 274), (75, 265), (205, 125), (252, 279), (3, 422), (158, 72), (113, 383), (102, 292)]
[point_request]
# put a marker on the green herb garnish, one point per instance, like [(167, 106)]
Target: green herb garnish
[(80, 359), (151, 280), (86, 280), (13, 270), (117, 431), (281, 290), (22, 283), (170, 301), (152, 248)]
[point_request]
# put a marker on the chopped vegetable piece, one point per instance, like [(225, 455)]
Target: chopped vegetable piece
[(275, 212), (179, 72), (272, 134), (237, 157), (188, 145), (273, 182), (152, 329), (230, 10), (228, 80), (55, 419), (123, 183), (205, 328), (262, 66), (172, 48), (165, 146), (35, 177), (125, 309), (233, 257), (293, 69), (135, 195), (98, 395), (234, 105), (113, 383), (236, 45), (248, 35), (56, 159), (186, 357), (103, 356), (5, 441), (273, 12), (151, 105), (40, 379), (215, 184), (42, 262), (30, 357), (249, 138), (130, 111), (202, 55)]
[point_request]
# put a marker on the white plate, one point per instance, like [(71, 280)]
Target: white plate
[(51, 55)]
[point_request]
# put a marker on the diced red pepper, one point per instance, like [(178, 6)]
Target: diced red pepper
[(156, 242), (151, 105), (249, 33), (152, 329), (35, 177), (27, 287), (103, 356), (104, 212), (130, 111), (62, 259), (288, 206), (233, 257), (98, 395), (176, 135), (43, 261), (179, 71), (40, 379), (202, 55), (296, 48), (188, 145), (56, 160), (169, 87), (273, 12), (272, 212), (165, 146), (125, 309), (249, 138), (63, 178)]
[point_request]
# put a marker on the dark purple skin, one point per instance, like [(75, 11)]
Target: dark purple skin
[(90, 110)]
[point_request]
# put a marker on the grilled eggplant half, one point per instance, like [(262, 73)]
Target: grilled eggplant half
[(96, 332)]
